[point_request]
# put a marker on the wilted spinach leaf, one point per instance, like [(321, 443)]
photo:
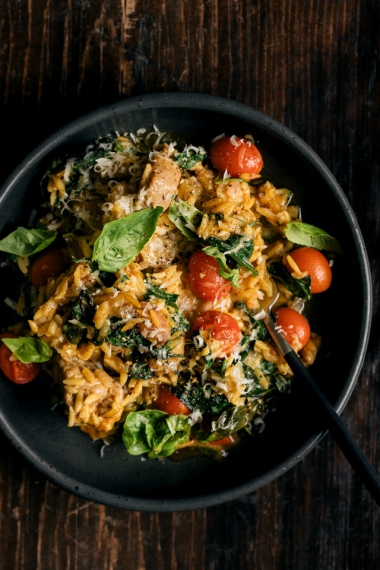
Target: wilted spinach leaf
[(83, 308), (185, 217), (197, 397), (238, 248), (189, 157), (229, 422), (299, 287), (72, 332)]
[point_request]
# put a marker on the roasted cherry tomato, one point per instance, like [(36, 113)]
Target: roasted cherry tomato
[(293, 323), (169, 403), (315, 263), (205, 279), (237, 156), (49, 263), (222, 327), (13, 369)]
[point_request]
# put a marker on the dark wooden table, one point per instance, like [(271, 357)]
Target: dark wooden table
[(310, 64)]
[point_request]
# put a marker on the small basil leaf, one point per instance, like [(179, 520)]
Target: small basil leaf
[(227, 273), (311, 236), (155, 432), (299, 287), (121, 240), (29, 349), (27, 242), (185, 217)]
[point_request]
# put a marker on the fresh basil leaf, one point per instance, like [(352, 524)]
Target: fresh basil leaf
[(197, 397), (239, 248), (121, 240), (229, 422), (189, 157), (155, 432), (185, 217), (225, 272), (311, 236), (29, 349), (27, 242), (299, 287)]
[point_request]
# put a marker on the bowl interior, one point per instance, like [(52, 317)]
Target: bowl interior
[(110, 475)]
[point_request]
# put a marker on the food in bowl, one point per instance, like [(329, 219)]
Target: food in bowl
[(143, 279)]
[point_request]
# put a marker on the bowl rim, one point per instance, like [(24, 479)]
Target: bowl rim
[(204, 102)]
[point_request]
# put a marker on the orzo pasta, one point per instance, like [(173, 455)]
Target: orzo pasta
[(142, 281)]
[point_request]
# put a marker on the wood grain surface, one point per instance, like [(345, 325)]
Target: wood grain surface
[(310, 64)]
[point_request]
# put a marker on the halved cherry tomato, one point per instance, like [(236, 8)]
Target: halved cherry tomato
[(237, 156), (315, 263), (205, 279), (13, 369), (169, 403), (222, 327), (292, 323), (49, 263)]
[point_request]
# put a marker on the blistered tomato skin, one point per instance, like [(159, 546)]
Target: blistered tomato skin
[(205, 279), (221, 326), (236, 155), (291, 323), (167, 402), (315, 263), (48, 263), (16, 371)]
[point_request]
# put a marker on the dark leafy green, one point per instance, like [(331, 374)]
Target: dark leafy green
[(254, 388), (171, 300), (141, 370), (29, 349), (229, 422), (155, 291), (185, 217), (26, 242), (189, 157), (121, 240), (133, 339), (299, 287), (227, 273), (311, 236), (155, 433), (83, 308), (73, 333), (82, 163), (282, 384), (238, 248), (200, 398)]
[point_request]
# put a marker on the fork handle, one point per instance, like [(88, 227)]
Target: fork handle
[(337, 428)]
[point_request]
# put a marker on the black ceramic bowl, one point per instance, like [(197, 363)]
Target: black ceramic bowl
[(67, 456)]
